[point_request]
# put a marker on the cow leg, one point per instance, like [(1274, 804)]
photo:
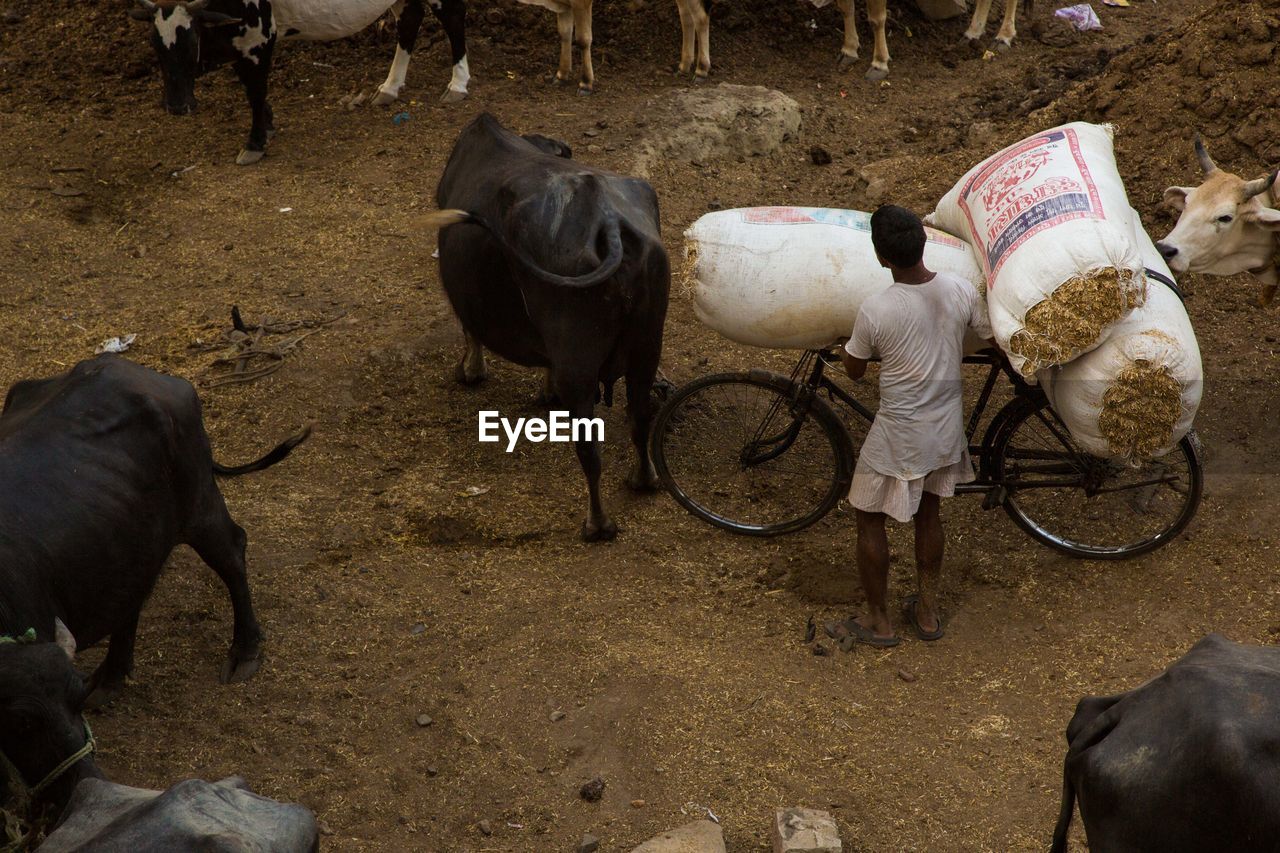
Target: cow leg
[(849, 51), (453, 17), (577, 395), (471, 368), (703, 22), (1008, 27), (978, 23), (220, 542), (409, 15), (688, 35), (878, 14), (254, 77), (582, 35), (564, 25), (109, 678), (644, 478)]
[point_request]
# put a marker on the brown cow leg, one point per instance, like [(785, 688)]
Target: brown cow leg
[(582, 36), (564, 24), (978, 23), (688, 36), (849, 52), (878, 14), (1008, 27)]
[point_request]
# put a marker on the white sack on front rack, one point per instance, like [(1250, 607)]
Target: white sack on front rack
[(1135, 396), (795, 277), (1047, 218)]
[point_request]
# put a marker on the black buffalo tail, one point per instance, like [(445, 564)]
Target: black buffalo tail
[(610, 264), (276, 454), (1065, 814)]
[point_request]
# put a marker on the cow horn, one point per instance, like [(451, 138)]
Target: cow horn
[(1206, 162), (148, 5), (196, 5), (1258, 187)]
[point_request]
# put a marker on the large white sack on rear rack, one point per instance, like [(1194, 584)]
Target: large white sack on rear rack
[(1136, 395), (795, 277), (1047, 218)]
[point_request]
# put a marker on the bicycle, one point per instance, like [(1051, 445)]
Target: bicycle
[(762, 454)]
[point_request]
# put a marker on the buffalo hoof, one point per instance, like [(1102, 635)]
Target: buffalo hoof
[(593, 532), (452, 96), (847, 61), (876, 74), (643, 481), (271, 132), (103, 695), (248, 158), (461, 375), (383, 98), (240, 668)]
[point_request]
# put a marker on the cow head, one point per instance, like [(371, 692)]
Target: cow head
[(41, 696), (176, 30), (1225, 226)]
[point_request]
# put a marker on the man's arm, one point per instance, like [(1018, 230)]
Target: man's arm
[(855, 367)]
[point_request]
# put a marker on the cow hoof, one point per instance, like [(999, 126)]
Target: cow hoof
[(557, 80), (248, 158), (1002, 46), (383, 99), (452, 96), (592, 532), (585, 90), (847, 61), (875, 74), (238, 669)]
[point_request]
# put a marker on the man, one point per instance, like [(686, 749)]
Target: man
[(916, 451)]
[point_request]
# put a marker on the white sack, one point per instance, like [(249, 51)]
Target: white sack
[(1048, 212), (1158, 333), (795, 277)]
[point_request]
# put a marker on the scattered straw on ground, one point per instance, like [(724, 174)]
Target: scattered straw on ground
[(687, 274), (1072, 318), (1140, 410)]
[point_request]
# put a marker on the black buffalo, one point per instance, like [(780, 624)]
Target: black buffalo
[(1189, 761), (552, 263), (103, 470), (191, 37)]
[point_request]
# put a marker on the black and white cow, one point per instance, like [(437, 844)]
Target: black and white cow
[(553, 263), (103, 471), (1189, 761), (193, 37)]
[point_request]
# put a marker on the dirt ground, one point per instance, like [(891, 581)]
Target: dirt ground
[(400, 568)]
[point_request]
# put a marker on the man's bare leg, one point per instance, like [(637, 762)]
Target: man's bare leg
[(929, 541), (873, 567)]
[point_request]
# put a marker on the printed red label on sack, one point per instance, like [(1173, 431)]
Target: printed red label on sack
[(855, 219), (1016, 201)]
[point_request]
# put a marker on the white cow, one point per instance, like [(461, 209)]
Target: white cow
[(1227, 225)]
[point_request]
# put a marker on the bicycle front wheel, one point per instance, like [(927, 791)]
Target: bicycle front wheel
[(1088, 507), (752, 453)]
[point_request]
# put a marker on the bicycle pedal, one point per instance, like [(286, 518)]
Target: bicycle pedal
[(995, 497)]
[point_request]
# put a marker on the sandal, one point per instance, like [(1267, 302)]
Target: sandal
[(909, 613), (850, 632)]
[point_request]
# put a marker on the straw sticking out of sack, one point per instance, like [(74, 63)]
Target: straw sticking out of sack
[(686, 276), (1140, 410), (1073, 317)]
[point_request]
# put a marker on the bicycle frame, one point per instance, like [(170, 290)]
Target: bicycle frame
[(808, 376)]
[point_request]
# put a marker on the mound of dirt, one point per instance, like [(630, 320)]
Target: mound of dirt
[(1215, 74)]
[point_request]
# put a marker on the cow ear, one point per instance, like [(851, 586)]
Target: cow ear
[(1267, 217), (66, 642), (1176, 197), (141, 15)]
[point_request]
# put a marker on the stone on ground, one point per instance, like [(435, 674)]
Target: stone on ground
[(701, 836), (805, 831)]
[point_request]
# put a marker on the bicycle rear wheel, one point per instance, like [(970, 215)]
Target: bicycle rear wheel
[(752, 453), (1085, 506)]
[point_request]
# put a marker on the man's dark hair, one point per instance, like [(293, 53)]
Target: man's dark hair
[(897, 235)]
